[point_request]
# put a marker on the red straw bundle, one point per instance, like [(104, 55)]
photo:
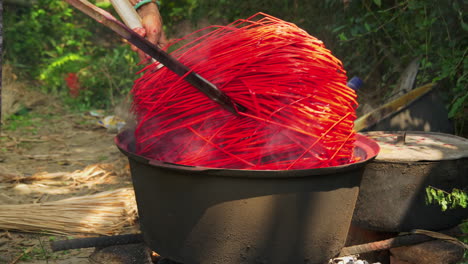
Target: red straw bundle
[(300, 112)]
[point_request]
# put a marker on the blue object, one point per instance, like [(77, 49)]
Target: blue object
[(355, 83)]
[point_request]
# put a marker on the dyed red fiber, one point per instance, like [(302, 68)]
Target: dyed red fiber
[(300, 112)]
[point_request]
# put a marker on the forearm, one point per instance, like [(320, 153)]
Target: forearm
[(150, 7), (145, 7), (151, 22)]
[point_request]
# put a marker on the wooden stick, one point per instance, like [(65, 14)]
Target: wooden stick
[(403, 240), (104, 241)]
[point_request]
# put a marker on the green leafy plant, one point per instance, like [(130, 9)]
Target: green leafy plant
[(377, 39), (446, 200), (50, 41), (36, 35), (450, 200), (108, 78)]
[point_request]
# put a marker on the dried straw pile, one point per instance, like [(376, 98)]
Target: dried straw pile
[(104, 213), (55, 183), (46, 205)]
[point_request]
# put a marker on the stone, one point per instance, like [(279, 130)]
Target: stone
[(394, 260), (122, 254), (436, 251)]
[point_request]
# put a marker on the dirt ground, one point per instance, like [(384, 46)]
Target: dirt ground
[(48, 138)]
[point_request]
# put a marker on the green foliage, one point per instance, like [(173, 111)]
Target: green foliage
[(450, 200), (52, 74), (315, 16), (456, 198), (51, 39), (34, 36), (176, 11), (377, 39), (108, 78)]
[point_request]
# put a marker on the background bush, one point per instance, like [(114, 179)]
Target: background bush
[(375, 39), (49, 40)]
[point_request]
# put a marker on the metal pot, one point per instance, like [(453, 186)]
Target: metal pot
[(392, 193), (207, 215)]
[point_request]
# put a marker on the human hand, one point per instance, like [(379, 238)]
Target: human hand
[(152, 27)]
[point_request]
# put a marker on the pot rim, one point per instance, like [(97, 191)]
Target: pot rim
[(365, 147)]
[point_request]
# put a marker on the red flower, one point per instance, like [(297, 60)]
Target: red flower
[(73, 84)]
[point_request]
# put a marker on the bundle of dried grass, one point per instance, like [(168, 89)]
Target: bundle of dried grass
[(63, 182), (104, 213)]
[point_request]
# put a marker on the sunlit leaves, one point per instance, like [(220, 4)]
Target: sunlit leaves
[(447, 200)]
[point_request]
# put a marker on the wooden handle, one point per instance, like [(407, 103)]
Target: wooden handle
[(127, 13), (102, 17), (129, 16)]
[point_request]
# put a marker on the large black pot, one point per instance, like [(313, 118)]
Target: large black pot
[(393, 189), (206, 215)]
